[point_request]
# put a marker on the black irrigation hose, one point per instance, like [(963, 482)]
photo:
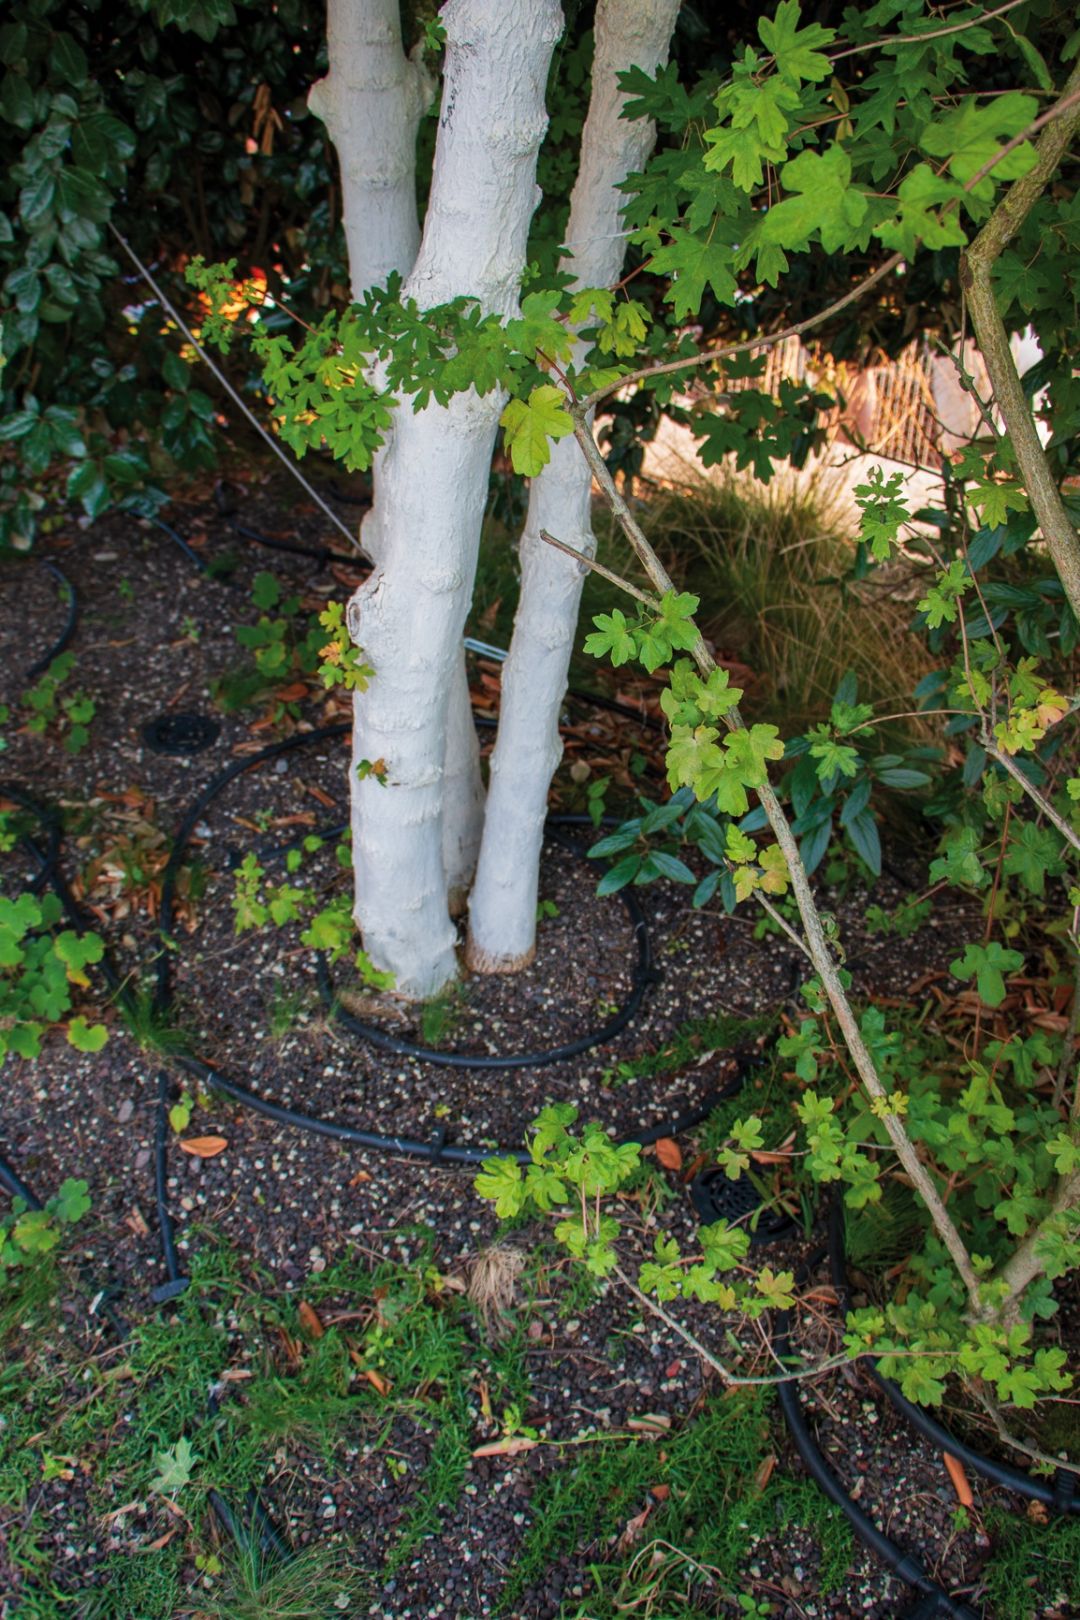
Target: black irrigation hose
[(644, 975), (189, 552), (436, 1149), (1060, 1495), (934, 1599), (40, 665), (177, 1282), (16, 1187), (323, 554)]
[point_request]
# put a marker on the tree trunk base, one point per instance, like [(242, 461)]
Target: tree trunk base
[(478, 960), (457, 901)]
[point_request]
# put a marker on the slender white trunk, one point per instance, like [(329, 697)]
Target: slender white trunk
[(502, 908), (410, 615), (371, 102)]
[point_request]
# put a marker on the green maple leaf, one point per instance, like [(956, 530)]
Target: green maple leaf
[(500, 1181), (776, 1288), (1033, 855), (969, 137), (729, 787), (765, 105), (987, 965), (86, 1037), (538, 330), (798, 51), (883, 511), (823, 201), (691, 753), (611, 638), (71, 1202), (750, 750), (1065, 1153), (959, 862), (694, 263), (995, 501), (174, 1467), (744, 151), (530, 424), (1018, 280), (723, 1246), (918, 219), (940, 602)]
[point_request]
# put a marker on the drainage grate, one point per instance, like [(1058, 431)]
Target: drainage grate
[(180, 733), (715, 1198)]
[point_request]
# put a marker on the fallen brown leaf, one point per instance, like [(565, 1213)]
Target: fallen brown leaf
[(669, 1153), (309, 1320), (506, 1448), (960, 1485), (204, 1147)]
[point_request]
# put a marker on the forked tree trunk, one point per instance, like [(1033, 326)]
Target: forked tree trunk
[(433, 478), (502, 908), (371, 102)]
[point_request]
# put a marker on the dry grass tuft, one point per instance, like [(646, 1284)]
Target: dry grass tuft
[(493, 1276)]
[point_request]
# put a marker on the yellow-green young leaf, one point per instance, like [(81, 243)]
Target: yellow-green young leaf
[(86, 1037), (529, 425)]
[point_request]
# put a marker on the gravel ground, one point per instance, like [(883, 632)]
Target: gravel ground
[(153, 634)]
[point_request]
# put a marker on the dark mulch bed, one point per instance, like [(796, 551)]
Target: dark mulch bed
[(153, 635)]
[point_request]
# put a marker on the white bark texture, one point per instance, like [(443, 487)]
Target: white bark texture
[(371, 102), (502, 908), (410, 615)]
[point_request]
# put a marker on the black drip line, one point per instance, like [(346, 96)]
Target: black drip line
[(67, 589), (1059, 1495), (363, 566), (934, 1600)]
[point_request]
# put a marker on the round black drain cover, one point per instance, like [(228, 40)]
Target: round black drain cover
[(715, 1198), (180, 733)]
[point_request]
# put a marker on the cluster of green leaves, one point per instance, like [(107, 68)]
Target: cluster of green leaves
[(328, 927), (27, 1234), (1002, 1148), (39, 970), (583, 1170), (286, 645), (66, 715)]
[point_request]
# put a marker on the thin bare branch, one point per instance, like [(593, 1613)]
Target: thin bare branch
[(598, 568), (286, 461)]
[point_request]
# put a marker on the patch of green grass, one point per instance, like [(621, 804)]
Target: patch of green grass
[(319, 1581), (707, 1521), (285, 1009), (1034, 1567), (152, 1028), (441, 1016), (717, 1032), (147, 1588)]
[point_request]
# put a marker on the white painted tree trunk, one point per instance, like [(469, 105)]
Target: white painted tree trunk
[(502, 908), (410, 615), (371, 102)]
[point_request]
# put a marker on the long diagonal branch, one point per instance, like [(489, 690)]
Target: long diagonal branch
[(817, 944)]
